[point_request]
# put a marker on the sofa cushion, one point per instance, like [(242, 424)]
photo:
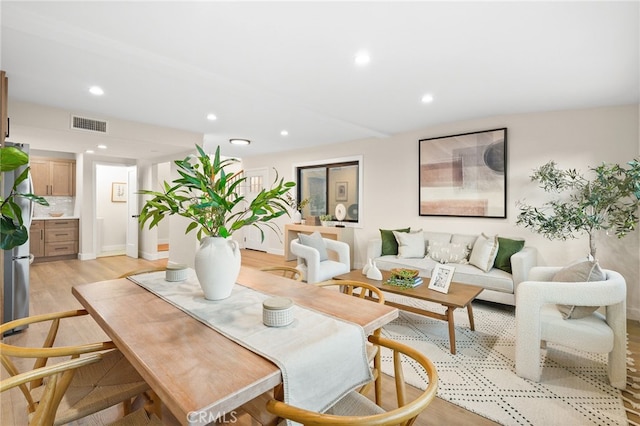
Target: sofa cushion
[(389, 242), (583, 271), (507, 248), (410, 244), (484, 252), (448, 252), (315, 240)]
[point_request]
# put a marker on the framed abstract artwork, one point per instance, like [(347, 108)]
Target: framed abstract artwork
[(464, 175)]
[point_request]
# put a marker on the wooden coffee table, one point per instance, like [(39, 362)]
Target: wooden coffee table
[(459, 296)]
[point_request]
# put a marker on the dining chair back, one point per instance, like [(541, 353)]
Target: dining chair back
[(107, 381), (284, 271), (364, 291), (143, 271), (357, 410)]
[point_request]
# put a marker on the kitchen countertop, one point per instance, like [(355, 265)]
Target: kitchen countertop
[(53, 218)]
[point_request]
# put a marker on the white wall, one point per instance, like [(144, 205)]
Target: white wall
[(574, 139), (113, 214)]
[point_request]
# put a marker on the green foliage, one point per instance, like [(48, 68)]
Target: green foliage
[(607, 202), (12, 230), (209, 196)]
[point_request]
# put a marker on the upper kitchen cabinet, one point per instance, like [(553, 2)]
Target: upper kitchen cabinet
[(53, 176)]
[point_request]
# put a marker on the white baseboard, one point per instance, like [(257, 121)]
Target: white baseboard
[(86, 256), (279, 252)]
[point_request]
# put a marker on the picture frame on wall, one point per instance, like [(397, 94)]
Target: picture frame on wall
[(342, 191), (441, 278), (118, 192), (464, 175)]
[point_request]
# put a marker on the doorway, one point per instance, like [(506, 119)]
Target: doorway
[(112, 193), (254, 183)]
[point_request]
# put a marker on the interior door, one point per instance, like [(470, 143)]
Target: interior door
[(253, 185), (132, 212)]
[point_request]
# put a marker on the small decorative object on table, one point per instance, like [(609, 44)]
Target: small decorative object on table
[(176, 272), (277, 312), (341, 213), (407, 278), (441, 278), (374, 273)]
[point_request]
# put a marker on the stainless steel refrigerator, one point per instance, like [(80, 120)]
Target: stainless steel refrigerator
[(17, 260)]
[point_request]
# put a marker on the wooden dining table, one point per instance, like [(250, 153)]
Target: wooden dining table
[(199, 374)]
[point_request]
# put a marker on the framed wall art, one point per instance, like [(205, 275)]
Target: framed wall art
[(342, 189), (119, 192), (441, 278), (464, 175)]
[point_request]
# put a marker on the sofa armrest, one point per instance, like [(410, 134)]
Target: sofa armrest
[(521, 264), (341, 248), (374, 248)]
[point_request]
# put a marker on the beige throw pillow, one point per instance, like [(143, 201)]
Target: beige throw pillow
[(484, 252), (448, 252), (410, 244), (583, 271)]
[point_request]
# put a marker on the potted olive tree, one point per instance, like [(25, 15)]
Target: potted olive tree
[(608, 200), (209, 195)]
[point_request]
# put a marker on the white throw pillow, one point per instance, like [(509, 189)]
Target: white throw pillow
[(448, 252), (410, 244), (484, 252)]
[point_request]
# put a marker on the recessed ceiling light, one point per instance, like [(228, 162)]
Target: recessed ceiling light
[(102, 146), (211, 117), (284, 133), (96, 90), (427, 98), (89, 151), (239, 141), (362, 58)]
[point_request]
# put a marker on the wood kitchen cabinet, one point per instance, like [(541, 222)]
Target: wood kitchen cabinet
[(36, 238), (53, 176), (54, 239)]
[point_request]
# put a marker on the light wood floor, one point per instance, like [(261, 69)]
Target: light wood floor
[(50, 292)]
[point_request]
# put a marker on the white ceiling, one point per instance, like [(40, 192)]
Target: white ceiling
[(262, 67)]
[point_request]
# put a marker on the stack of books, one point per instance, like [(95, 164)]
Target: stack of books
[(407, 278)]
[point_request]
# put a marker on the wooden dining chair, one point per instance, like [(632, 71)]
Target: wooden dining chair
[(357, 410), (284, 271), (104, 379), (364, 291)]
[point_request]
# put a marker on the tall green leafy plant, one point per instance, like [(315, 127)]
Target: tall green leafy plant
[(209, 196), (12, 229), (608, 201)]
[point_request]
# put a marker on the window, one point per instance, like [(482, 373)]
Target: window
[(328, 184)]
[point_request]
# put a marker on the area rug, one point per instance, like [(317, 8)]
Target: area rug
[(481, 377)]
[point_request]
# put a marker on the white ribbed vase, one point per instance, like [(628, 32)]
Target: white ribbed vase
[(217, 265)]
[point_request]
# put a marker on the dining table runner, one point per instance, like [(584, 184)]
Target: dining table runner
[(321, 358)]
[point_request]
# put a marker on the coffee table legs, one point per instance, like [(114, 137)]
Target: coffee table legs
[(452, 330)]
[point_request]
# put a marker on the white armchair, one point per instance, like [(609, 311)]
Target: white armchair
[(538, 320), (315, 270)]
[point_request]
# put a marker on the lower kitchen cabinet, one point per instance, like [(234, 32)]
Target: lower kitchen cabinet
[(59, 237)]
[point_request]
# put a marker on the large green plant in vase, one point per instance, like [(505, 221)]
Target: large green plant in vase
[(607, 200), (209, 195)]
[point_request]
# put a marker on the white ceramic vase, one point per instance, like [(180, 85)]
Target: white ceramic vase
[(297, 217), (374, 273), (367, 267), (217, 265)]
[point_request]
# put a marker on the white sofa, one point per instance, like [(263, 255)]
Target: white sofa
[(499, 286)]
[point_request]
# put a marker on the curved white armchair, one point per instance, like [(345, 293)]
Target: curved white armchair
[(315, 270), (538, 320)]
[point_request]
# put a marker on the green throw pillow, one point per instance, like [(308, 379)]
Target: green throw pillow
[(506, 249), (389, 242)]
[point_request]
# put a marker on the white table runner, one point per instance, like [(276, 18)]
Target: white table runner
[(321, 357)]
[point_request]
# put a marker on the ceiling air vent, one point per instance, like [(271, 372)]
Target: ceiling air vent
[(88, 124)]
